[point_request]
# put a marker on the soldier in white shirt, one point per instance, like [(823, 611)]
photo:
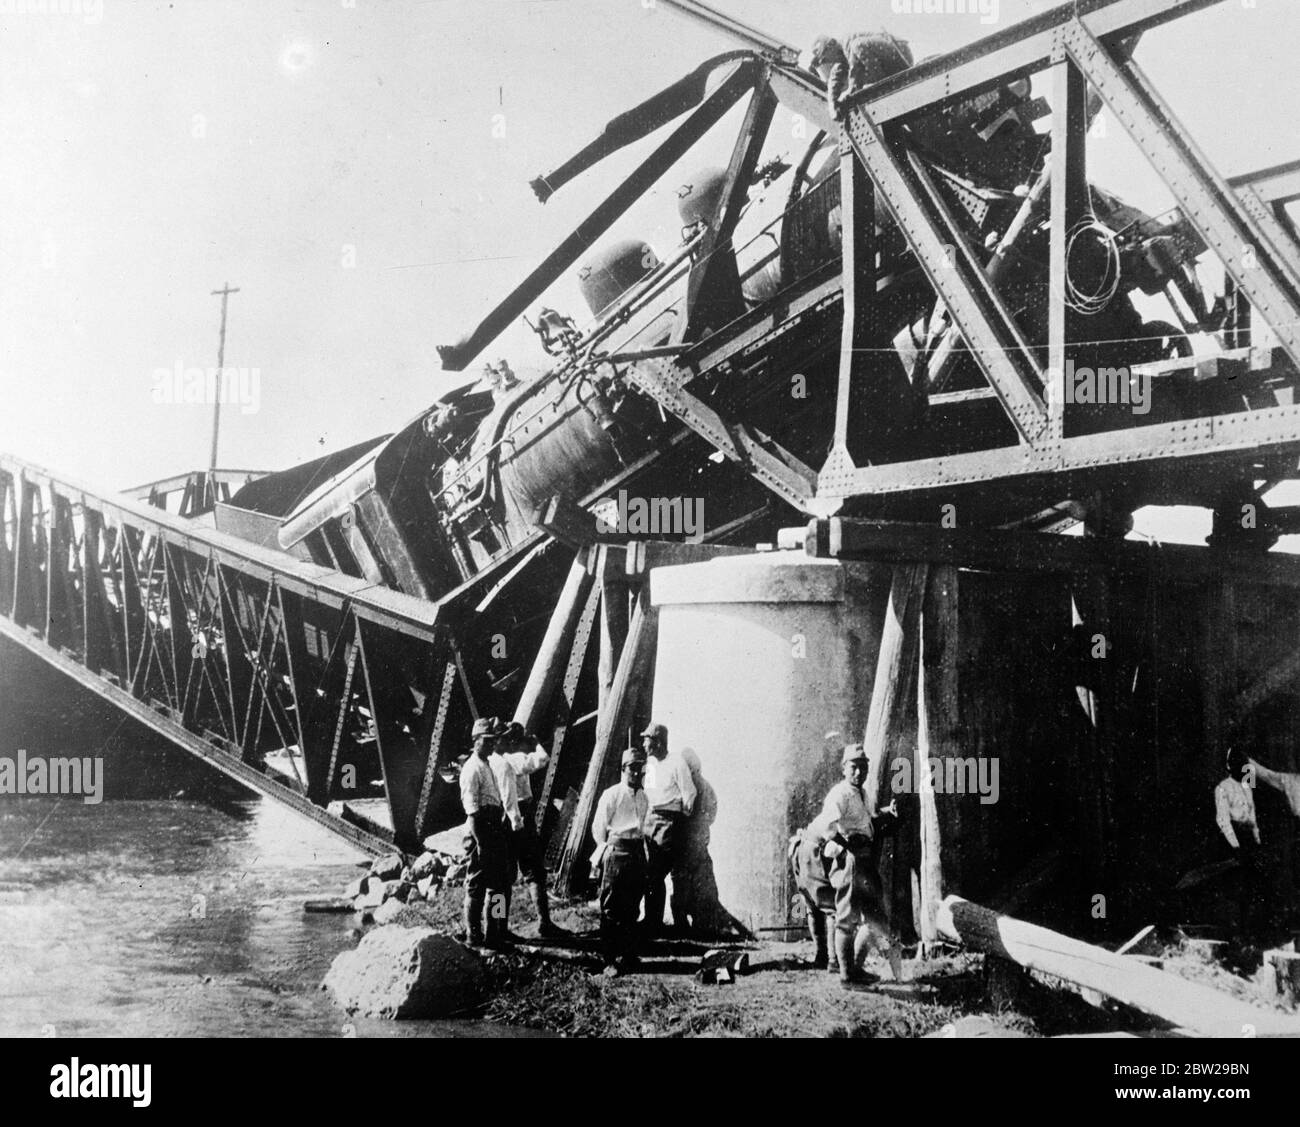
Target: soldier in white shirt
[(517, 758), (833, 860), (485, 843), (672, 795), (619, 829)]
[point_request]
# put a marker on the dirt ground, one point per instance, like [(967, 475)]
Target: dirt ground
[(558, 986)]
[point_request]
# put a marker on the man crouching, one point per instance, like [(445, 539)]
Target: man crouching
[(834, 865)]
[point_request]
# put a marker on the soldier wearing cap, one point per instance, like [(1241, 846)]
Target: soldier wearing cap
[(485, 843), (672, 794), (619, 829), (518, 756), (835, 866), (832, 64)]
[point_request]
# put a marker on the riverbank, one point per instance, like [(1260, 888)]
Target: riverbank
[(557, 986)]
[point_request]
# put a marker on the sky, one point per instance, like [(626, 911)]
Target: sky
[(359, 170)]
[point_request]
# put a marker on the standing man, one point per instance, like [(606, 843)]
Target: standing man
[(518, 757), (672, 794), (842, 836), (485, 843), (619, 829)]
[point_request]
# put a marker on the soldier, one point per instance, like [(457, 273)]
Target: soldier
[(830, 61), (874, 56), (485, 841), (518, 757), (671, 792), (619, 829), (834, 864)]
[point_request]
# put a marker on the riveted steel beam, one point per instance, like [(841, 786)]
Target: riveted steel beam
[(1223, 438), (953, 270), (1016, 52), (1206, 199), (778, 469)]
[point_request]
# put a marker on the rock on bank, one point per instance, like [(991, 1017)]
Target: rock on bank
[(399, 972)]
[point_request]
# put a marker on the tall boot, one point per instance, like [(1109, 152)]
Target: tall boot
[(545, 928), (474, 919), (849, 973), (498, 921), (817, 929)]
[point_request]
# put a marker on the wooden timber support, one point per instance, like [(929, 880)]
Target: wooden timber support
[(937, 728), (552, 656), (628, 698), (894, 667), (564, 718), (1168, 997)]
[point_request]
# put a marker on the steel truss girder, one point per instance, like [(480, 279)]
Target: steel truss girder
[(1261, 256), (1221, 437), (955, 273), (1015, 52), (227, 764), (782, 473), (199, 632), (1205, 198), (322, 585), (1264, 217)]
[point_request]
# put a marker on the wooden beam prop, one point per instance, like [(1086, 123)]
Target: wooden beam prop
[(1171, 999), (936, 735), (613, 622), (631, 688), (898, 645), (553, 654)]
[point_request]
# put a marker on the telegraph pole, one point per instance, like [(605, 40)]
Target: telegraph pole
[(224, 293)]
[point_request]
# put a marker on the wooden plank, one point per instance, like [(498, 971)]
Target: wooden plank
[(631, 687), (552, 655), (613, 632), (936, 731), (1162, 995), (894, 665)]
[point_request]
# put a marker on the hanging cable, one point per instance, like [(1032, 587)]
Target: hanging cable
[(1090, 304)]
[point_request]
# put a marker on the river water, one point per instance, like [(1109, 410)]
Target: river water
[(174, 908)]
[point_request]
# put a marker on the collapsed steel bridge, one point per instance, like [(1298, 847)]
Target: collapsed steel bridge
[(347, 699)]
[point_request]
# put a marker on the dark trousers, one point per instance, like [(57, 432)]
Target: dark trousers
[(848, 888), (859, 899), (622, 884), (526, 848), (487, 858), (665, 854)]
